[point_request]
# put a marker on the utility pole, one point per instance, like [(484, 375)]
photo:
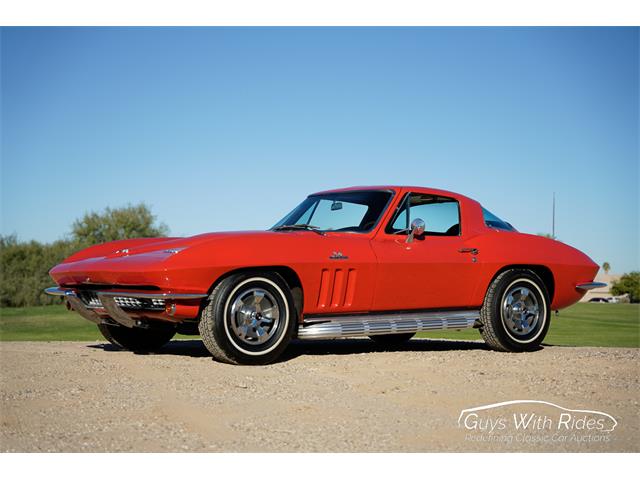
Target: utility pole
[(553, 217)]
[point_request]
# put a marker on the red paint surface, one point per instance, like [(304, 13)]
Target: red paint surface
[(382, 271)]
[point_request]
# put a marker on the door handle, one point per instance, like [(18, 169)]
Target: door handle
[(472, 251)]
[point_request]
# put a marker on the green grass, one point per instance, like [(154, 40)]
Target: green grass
[(584, 324), (52, 322)]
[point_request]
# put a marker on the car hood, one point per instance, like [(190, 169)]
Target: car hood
[(163, 245), (143, 260)]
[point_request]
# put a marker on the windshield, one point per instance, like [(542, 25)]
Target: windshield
[(490, 220), (357, 211)]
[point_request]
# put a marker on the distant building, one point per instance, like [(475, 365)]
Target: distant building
[(604, 292)]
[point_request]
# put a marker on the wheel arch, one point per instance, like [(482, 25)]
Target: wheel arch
[(544, 272), (288, 274)]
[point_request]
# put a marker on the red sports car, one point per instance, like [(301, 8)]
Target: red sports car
[(383, 262)]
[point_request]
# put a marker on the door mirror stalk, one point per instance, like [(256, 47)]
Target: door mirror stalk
[(417, 229)]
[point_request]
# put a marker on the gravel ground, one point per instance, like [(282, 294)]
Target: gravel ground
[(347, 395)]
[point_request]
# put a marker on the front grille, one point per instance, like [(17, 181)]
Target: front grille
[(91, 300)]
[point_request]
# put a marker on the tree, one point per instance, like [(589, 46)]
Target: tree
[(24, 266), (606, 267), (628, 283), (116, 224), (25, 270)]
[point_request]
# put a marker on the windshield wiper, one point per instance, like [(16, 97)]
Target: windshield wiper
[(299, 226)]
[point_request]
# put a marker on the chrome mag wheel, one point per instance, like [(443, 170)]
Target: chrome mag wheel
[(254, 316), (515, 314), (520, 311), (249, 319)]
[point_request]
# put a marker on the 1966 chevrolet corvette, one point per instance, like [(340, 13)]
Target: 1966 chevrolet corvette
[(384, 262)]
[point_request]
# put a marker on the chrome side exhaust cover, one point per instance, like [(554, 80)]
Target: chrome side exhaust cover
[(385, 323)]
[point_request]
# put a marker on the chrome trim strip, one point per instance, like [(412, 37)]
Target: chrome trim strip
[(590, 285), (174, 296), (58, 291), (385, 323), (112, 293)]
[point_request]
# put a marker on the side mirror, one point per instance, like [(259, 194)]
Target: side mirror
[(417, 228)]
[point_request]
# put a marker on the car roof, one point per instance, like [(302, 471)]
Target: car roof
[(395, 188), (471, 210)]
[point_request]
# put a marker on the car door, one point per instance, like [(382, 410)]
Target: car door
[(339, 267), (436, 269)]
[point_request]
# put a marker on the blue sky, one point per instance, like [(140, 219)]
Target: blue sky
[(226, 129)]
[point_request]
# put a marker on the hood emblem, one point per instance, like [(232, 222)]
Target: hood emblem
[(338, 256), (174, 250)]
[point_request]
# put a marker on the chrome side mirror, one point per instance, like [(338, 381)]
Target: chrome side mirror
[(417, 228)]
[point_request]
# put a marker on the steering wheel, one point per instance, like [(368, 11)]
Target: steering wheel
[(368, 225)]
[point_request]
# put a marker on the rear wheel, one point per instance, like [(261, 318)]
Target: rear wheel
[(138, 339), (392, 339), (250, 318), (515, 315)]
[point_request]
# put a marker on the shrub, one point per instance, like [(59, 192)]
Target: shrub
[(628, 283), (25, 270), (24, 266)]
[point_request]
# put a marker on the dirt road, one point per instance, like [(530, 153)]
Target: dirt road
[(345, 395)]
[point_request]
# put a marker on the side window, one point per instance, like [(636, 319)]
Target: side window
[(440, 214)]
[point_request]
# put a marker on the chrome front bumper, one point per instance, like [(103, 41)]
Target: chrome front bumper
[(590, 285), (112, 302)]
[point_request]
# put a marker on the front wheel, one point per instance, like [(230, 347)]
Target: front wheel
[(250, 318), (515, 315)]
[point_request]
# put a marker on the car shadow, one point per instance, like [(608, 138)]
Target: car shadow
[(195, 348), (186, 348), (364, 345)]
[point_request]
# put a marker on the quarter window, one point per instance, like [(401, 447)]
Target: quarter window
[(491, 221)]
